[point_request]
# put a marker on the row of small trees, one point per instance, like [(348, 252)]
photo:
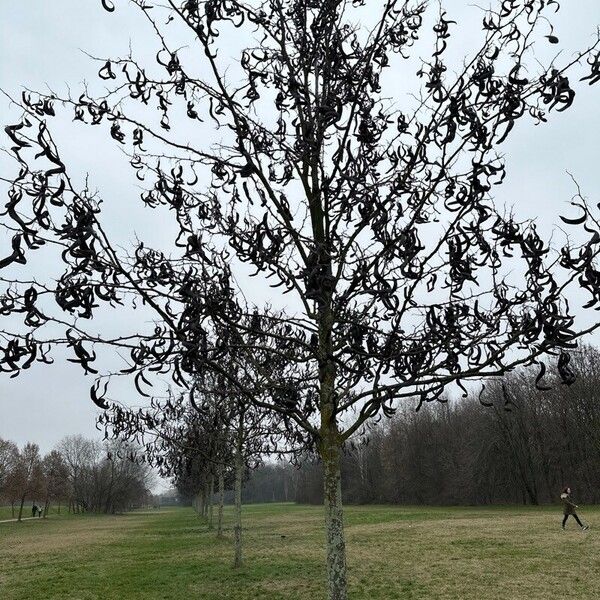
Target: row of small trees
[(204, 441), (26, 475), (82, 474)]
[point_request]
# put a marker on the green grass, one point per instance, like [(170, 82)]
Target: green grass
[(393, 552)]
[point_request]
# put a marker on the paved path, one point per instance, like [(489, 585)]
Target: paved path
[(15, 520)]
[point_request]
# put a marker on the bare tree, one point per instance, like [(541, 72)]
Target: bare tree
[(380, 222), (28, 475), (56, 479), (8, 459), (79, 455), (104, 477)]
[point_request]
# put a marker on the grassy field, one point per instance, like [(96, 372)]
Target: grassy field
[(393, 552)]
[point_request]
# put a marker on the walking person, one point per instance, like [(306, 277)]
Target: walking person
[(569, 509)]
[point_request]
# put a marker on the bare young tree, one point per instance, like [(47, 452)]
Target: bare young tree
[(378, 221), (199, 438)]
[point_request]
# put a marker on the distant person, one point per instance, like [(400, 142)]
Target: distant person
[(34, 510), (569, 509)]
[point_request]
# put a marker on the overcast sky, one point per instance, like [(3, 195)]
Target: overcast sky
[(41, 43)]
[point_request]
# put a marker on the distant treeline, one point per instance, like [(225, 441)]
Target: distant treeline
[(79, 474), (522, 448)]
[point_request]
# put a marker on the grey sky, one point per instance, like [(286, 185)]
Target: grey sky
[(40, 43)]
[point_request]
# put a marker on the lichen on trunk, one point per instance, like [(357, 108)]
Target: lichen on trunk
[(211, 492), (239, 468), (221, 503), (334, 521)]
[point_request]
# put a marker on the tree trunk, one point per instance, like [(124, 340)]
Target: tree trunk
[(201, 504), (334, 522), (21, 507), (211, 493), (205, 500), (239, 468), (221, 503)]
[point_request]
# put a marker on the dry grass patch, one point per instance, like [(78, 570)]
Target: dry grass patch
[(40, 538), (526, 556)]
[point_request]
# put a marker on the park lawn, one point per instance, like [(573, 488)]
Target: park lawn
[(393, 552), (6, 512)]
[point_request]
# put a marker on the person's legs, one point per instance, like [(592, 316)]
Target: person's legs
[(564, 522)]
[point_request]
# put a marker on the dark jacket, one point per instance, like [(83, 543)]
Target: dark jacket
[(568, 506)]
